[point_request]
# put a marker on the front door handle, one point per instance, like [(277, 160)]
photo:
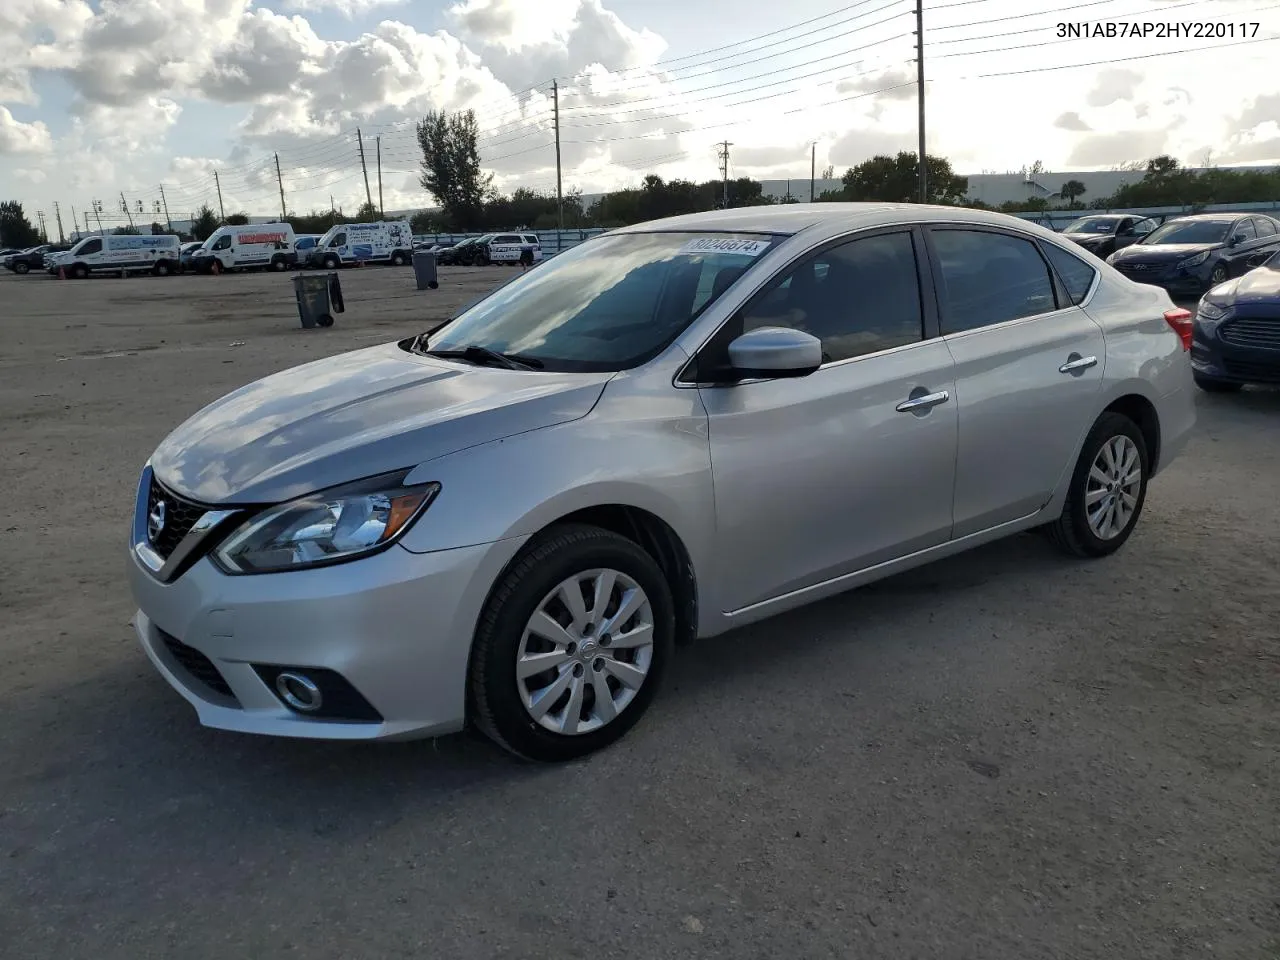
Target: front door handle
[(923, 402), (1076, 363)]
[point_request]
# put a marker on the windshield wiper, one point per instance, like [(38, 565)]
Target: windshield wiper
[(484, 357)]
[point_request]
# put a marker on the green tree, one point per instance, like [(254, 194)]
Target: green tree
[(203, 222), (368, 212), (15, 229), (238, 219), (451, 166), (126, 231), (897, 180), (1071, 191)]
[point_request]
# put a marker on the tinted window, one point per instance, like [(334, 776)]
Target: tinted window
[(1077, 276), (989, 278), (1245, 230), (857, 298), (1266, 227), (1102, 225), (93, 246), (507, 238), (530, 238), (1143, 227), (608, 304)]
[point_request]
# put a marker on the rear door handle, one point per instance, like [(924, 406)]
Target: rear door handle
[(924, 402), (1077, 362)]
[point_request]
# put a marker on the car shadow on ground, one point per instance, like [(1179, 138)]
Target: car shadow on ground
[(156, 749)]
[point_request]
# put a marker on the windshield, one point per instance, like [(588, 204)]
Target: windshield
[(607, 304), (1092, 225), (1190, 231)]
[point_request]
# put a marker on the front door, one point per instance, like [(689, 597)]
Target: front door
[(1028, 369), (848, 467)]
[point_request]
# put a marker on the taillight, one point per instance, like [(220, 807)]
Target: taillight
[(1180, 320)]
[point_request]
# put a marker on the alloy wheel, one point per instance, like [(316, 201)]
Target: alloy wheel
[(1111, 492), (585, 652)]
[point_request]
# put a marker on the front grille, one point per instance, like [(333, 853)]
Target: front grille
[(179, 517), (197, 664), (1255, 372), (1252, 332)]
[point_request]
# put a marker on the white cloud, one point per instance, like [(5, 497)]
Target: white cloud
[(17, 137), (348, 8)]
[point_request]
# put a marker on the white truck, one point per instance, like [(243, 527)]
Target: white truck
[(250, 246), (387, 241), (116, 253)]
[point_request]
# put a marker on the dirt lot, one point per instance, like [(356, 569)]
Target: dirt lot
[(1005, 755)]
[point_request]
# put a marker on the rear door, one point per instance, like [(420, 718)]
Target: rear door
[(1028, 369), (1268, 242)]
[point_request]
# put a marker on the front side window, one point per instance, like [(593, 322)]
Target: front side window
[(608, 304), (339, 241), (858, 297), (1095, 225), (90, 246), (1245, 231), (989, 278), (224, 243), (1144, 227)]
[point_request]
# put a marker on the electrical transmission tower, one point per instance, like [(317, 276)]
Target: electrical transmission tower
[(724, 169)]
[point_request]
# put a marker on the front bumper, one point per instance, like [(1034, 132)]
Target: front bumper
[(1237, 349), (1187, 281), (396, 627)]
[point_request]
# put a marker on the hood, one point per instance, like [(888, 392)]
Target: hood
[(1164, 251), (356, 415), (1260, 285)]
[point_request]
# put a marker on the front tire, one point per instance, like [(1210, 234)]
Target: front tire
[(79, 271), (1108, 489), (21, 268), (571, 646), (331, 263), (1220, 275)]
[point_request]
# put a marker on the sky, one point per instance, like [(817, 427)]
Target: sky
[(148, 98)]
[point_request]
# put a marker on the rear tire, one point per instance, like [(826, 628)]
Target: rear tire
[(278, 264), (397, 259), (161, 269), (1217, 386), (502, 702), (1102, 506)]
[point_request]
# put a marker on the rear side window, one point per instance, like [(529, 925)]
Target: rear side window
[(1266, 228), (530, 238), (507, 238), (989, 278), (1077, 276)]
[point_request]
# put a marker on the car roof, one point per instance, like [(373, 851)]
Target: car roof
[(791, 219), (1212, 217)]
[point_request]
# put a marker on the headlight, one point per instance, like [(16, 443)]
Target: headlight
[(329, 526), (1195, 261), (1211, 311)]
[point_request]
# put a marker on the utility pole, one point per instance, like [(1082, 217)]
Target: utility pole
[(924, 166), (164, 203), (222, 213), (724, 169), (555, 100), (284, 215), (367, 195), (125, 205), (813, 167), (58, 214), (97, 212), (44, 234), (75, 222), (381, 210)]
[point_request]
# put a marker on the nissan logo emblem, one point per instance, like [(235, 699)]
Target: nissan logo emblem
[(155, 521)]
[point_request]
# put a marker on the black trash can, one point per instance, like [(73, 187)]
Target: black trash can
[(424, 269), (319, 297)]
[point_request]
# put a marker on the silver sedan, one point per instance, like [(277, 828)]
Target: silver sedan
[(664, 433)]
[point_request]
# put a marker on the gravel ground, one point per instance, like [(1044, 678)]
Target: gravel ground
[(1003, 755)]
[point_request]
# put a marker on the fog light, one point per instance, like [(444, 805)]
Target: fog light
[(299, 692)]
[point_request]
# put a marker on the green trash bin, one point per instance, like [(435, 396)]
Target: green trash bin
[(319, 297)]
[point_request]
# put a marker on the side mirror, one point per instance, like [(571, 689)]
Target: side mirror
[(771, 352)]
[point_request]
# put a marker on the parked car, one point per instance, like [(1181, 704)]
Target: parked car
[(1188, 255), (663, 433), (506, 248), (345, 244), (185, 254), (465, 253), (33, 257), (1237, 331), (1104, 234), (304, 245)]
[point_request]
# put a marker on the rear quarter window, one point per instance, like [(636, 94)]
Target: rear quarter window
[(1076, 275)]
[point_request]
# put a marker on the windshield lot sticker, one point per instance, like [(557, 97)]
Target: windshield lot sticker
[(746, 248)]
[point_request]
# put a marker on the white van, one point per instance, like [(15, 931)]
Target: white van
[(388, 241), (506, 247), (250, 246), (114, 253)]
